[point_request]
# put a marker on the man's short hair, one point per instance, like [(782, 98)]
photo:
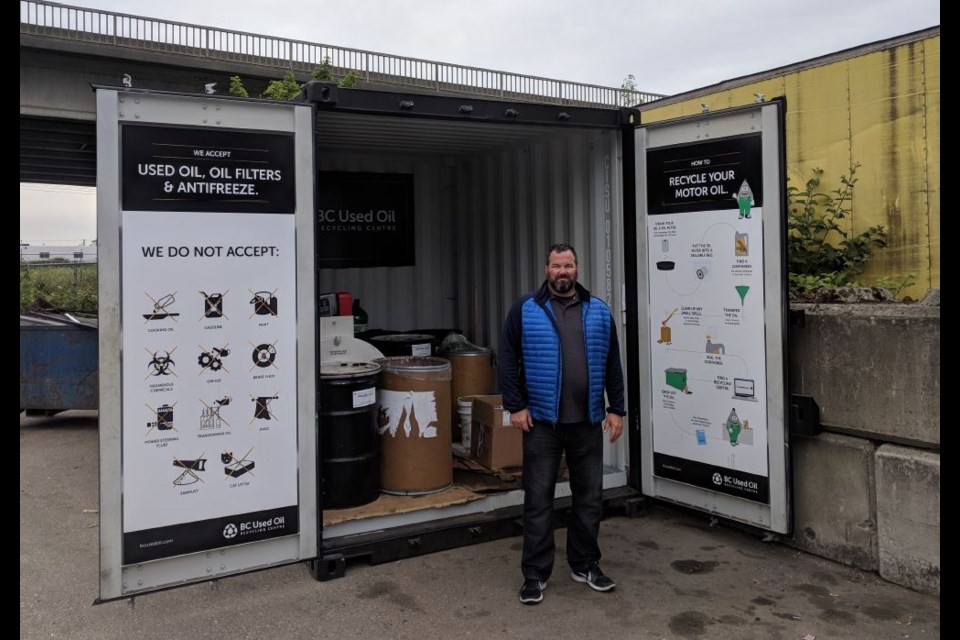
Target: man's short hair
[(560, 247)]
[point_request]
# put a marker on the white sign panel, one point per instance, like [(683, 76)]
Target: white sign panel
[(713, 419), (207, 334), (209, 378)]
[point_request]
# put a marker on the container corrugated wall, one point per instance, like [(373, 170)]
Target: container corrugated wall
[(401, 298), (483, 223), (876, 105)]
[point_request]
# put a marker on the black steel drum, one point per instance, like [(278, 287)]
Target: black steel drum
[(404, 344), (349, 441)]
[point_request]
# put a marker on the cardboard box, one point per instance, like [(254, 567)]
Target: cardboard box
[(489, 410), (496, 447)]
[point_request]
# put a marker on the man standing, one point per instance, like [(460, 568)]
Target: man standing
[(558, 354)]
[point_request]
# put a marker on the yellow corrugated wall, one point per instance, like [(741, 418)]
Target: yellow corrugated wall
[(881, 109)]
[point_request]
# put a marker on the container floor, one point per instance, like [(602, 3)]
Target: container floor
[(471, 481)]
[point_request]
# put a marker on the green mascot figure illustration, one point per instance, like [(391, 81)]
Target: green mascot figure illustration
[(734, 426), (744, 198)]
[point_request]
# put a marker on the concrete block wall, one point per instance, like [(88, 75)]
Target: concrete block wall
[(874, 369), (835, 499), (908, 517), (866, 492)]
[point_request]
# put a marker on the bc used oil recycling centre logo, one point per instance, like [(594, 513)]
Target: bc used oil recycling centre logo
[(254, 526)]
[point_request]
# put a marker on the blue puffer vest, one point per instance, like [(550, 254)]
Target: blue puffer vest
[(541, 356)]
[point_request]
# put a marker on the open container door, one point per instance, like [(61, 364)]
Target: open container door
[(711, 285), (207, 406)]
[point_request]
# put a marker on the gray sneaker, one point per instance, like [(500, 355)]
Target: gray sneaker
[(532, 591), (594, 578)]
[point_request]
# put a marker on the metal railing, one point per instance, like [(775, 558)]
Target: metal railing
[(55, 20)]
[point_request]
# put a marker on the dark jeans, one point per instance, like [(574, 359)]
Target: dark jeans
[(542, 448)]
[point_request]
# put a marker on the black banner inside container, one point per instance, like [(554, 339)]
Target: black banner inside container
[(189, 537), (706, 176), (189, 169), (721, 479), (364, 219)]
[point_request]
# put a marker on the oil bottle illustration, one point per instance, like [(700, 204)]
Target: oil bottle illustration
[(733, 427), (741, 244)]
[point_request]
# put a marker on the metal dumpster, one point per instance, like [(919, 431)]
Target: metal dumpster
[(58, 363)]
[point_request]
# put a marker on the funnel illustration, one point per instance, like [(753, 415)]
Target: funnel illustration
[(742, 292)]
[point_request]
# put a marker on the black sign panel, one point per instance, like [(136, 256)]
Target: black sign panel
[(364, 219), (706, 176), (178, 539), (721, 479), (192, 169)]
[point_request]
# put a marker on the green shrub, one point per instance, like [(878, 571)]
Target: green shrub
[(68, 287), (324, 71), (896, 284), (820, 252), (349, 80), (237, 88), (286, 89)]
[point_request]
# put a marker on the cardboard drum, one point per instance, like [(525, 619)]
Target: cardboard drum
[(413, 418)]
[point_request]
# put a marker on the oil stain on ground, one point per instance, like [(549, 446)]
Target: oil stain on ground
[(691, 567), (788, 616), (394, 593), (821, 576), (883, 613), (838, 617), (813, 590), (689, 624)]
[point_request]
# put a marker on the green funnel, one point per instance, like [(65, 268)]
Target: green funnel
[(742, 292)]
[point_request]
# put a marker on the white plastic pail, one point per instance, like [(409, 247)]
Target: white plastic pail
[(464, 415)]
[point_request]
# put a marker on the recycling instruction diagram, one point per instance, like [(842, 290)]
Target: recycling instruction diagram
[(706, 304)]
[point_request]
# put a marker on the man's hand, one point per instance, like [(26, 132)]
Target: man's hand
[(521, 419), (613, 424)]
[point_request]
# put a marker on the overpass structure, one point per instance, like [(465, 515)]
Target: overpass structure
[(64, 50)]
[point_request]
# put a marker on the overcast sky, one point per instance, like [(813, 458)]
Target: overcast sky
[(670, 46)]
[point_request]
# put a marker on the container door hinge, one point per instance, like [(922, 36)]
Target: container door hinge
[(328, 567), (798, 318), (323, 94), (804, 416), (636, 507)]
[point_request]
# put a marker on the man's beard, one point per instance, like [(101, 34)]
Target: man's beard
[(563, 285)]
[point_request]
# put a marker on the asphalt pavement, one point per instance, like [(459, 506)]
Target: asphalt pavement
[(679, 574)]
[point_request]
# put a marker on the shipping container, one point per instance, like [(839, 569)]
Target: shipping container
[(437, 214)]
